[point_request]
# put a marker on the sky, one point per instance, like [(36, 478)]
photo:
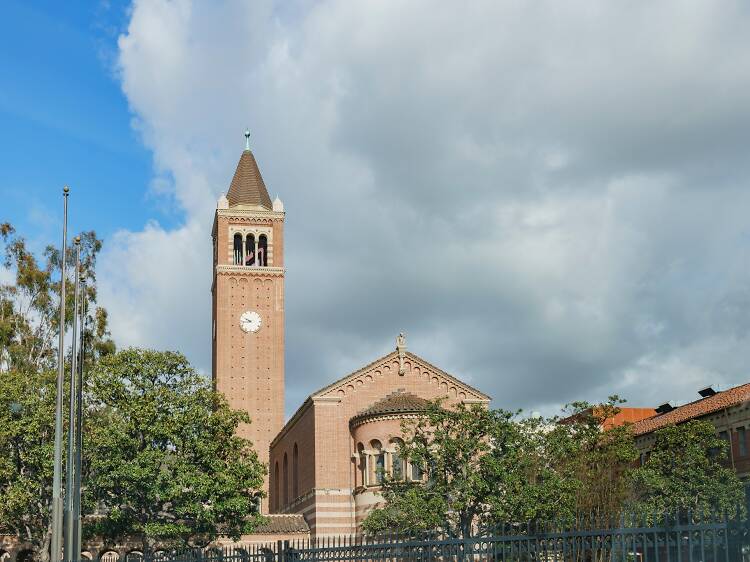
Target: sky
[(550, 199)]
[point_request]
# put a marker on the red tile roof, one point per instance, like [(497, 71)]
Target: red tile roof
[(398, 402), (282, 524), (697, 409)]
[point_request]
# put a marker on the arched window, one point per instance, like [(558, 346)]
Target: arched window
[(262, 250), (276, 486), (416, 472), (286, 481), (377, 468), (397, 462), (238, 249), (295, 473), (109, 556), (250, 249)]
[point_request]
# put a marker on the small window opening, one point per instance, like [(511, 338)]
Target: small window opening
[(378, 466), (398, 467), (286, 481), (397, 462), (276, 486), (295, 472), (742, 441), (238, 249), (262, 251), (250, 250)]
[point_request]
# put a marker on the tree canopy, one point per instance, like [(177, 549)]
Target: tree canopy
[(687, 469), (29, 328), (490, 467), (161, 460), (164, 462)]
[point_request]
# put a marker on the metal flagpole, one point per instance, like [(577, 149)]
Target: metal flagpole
[(79, 431), (57, 510), (68, 554)]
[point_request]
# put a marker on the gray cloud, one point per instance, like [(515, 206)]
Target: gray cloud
[(549, 199)]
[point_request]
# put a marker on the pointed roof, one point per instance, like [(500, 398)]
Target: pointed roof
[(247, 187)]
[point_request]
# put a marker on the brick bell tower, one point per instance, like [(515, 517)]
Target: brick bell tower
[(248, 304)]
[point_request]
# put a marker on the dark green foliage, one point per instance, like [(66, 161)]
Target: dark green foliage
[(491, 467), (164, 463), (160, 455), (688, 469)]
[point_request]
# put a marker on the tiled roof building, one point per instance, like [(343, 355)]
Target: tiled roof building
[(719, 402), (727, 410)]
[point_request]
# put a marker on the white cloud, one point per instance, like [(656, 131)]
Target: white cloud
[(548, 198)]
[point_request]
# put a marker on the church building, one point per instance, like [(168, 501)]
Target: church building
[(326, 463)]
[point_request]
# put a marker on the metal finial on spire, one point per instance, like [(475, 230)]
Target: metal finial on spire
[(247, 139)]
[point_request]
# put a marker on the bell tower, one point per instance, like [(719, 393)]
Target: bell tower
[(248, 303)]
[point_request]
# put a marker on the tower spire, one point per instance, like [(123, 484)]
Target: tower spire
[(247, 187)]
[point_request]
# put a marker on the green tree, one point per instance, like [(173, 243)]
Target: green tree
[(29, 306), (27, 412), (489, 467), (479, 464), (687, 470), (29, 327), (164, 461), (593, 462)]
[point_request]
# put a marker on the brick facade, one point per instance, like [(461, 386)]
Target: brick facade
[(319, 460), (330, 491), (248, 365)]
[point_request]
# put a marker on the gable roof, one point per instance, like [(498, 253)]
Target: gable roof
[(394, 356), (697, 409), (247, 187), (385, 359)]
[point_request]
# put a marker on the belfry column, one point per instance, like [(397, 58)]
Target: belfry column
[(248, 306)]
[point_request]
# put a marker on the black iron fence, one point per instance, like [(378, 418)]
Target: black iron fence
[(684, 538)]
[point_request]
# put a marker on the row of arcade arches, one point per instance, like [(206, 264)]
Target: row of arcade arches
[(376, 462), (287, 486), (247, 252)]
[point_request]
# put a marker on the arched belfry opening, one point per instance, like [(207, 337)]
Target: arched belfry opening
[(250, 249), (238, 249), (262, 250)]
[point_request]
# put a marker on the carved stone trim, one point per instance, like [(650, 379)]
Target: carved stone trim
[(388, 360), (251, 215), (372, 418), (250, 271)]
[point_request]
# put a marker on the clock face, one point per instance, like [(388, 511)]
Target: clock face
[(250, 321)]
